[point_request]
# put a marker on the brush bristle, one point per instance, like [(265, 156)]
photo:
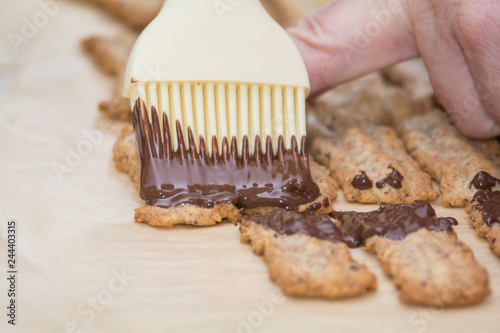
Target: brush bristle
[(227, 110)]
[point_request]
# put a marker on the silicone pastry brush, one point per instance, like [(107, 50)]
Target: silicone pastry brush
[(217, 73)]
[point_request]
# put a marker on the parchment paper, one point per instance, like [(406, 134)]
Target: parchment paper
[(77, 243)]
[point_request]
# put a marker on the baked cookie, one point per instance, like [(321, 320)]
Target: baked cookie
[(484, 216), (126, 156), (307, 254), (432, 268), (412, 76), (111, 55), (306, 266), (420, 252), (372, 166), (368, 100), (136, 14), (449, 157), (490, 148)]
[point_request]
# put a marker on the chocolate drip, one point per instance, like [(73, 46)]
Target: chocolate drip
[(184, 176), (362, 182), (180, 141), (167, 144), (269, 151), (488, 203), (304, 150), (245, 156), (234, 149), (281, 149), (258, 151), (394, 180), (295, 151), (203, 150), (484, 181), (156, 135), (391, 221), (193, 152), (215, 151), (225, 151)]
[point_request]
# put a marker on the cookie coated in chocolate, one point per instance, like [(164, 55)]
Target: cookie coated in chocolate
[(287, 222), (189, 175), (488, 203), (391, 221)]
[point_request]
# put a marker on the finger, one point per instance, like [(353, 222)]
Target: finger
[(347, 39), (478, 32), (455, 89), (450, 75)]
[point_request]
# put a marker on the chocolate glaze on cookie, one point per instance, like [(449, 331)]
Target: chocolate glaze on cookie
[(391, 221), (362, 182), (189, 176), (484, 181), (394, 179), (287, 222), (488, 203)]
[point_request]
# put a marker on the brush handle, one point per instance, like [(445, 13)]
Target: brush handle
[(215, 41)]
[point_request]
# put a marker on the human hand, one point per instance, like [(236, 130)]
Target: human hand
[(459, 41)]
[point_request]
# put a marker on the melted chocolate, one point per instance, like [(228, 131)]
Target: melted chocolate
[(291, 222), (362, 182), (391, 221), (484, 181), (394, 180), (488, 203), (189, 176), (314, 207)]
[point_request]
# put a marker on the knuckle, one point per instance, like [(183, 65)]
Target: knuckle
[(474, 21)]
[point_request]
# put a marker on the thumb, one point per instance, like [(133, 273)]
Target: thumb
[(347, 39)]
